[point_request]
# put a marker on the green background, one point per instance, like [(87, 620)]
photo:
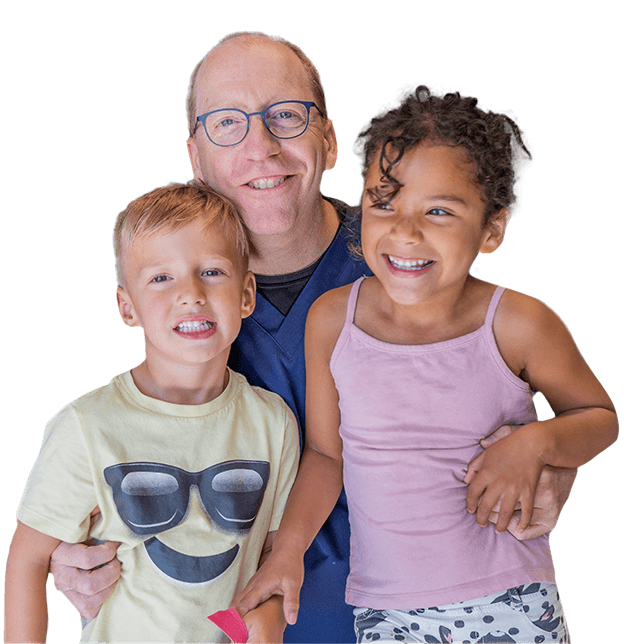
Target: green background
[(93, 115)]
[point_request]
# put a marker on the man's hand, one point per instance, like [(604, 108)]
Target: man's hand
[(553, 490), (86, 574)]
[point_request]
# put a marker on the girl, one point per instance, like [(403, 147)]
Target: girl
[(407, 370)]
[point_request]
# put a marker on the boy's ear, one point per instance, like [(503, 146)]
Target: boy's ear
[(126, 309), (248, 300), (495, 231)]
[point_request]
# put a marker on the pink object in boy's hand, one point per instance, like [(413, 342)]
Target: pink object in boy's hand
[(231, 623)]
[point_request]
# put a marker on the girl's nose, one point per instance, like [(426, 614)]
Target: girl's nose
[(407, 229)]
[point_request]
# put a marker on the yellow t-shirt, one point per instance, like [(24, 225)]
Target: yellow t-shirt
[(190, 491)]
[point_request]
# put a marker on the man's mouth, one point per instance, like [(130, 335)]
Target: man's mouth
[(409, 264), (263, 184)]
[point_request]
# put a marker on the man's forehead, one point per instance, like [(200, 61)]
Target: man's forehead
[(255, 69)]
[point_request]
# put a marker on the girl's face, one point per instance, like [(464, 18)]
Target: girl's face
[(425, 240)]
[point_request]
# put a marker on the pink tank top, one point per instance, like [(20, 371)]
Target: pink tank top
[(411, 420)]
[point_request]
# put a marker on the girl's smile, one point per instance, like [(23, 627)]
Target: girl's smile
[(422, 242)]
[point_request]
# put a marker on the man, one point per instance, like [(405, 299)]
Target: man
[(263, 139)]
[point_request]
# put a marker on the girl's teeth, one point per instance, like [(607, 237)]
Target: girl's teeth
[(190, 327), (409, 264), (263, 184)]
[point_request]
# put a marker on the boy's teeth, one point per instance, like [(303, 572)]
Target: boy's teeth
[(409, 264), (263, 184), (190, 327)]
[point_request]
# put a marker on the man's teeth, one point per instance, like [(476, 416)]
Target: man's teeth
[(263, 184), (409, 264), (192, 327)]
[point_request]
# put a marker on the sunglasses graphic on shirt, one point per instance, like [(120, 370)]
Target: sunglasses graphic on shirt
[(154, 497)]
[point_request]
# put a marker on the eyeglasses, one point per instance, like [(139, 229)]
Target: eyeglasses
[(284, 120), (154, 497)]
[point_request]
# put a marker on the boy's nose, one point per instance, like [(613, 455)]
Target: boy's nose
[(192, 293)]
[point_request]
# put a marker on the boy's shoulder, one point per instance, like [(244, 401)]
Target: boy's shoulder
[(252, 395)]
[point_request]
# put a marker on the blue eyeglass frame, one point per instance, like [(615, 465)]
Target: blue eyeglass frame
[(307, 104)]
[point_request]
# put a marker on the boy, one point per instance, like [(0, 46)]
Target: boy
[(190, 466)]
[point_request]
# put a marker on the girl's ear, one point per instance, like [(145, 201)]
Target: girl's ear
[(126, 309), (495, 231)]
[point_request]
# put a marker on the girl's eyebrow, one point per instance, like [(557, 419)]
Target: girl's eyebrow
[(453, 198)]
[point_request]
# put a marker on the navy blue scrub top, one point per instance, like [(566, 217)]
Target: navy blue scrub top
[(269, 351)]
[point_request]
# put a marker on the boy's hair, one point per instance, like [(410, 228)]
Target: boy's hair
[(450, 120), (171, 207)]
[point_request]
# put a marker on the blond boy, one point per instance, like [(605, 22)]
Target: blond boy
[(189, 465)]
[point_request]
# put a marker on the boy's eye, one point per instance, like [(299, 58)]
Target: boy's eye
[(211, 272), (160, 278)]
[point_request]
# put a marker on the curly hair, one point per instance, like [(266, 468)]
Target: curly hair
[(449, 120)]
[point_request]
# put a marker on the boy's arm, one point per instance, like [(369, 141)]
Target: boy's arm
[(319, 479), (537, 347), (25, 605)]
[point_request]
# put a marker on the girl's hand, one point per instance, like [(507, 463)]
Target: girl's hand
[(506, 473), (278, 575), (266, 623)]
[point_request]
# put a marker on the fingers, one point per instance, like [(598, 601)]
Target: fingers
[(77, 555), (291, 604), (502, 432), (473, 467), (85, 582), (89, 605)]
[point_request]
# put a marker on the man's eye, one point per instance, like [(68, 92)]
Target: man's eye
[(224, 123)]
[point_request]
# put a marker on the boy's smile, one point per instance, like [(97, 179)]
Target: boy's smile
[(189, 290), (424, 241)]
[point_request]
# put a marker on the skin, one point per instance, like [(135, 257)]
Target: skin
[(436, 217), (290, 229), (291, 215)]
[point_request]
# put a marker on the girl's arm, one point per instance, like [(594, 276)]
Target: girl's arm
[(25, 605), (538, 348), (319, 479)]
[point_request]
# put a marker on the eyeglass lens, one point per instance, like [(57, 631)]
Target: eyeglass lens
[(283, 120)]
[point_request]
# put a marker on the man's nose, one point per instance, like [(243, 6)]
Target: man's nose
[(259, 142)]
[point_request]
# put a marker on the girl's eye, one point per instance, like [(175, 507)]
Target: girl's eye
[(438, 212)]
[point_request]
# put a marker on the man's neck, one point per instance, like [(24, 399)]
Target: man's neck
[(297, 248)]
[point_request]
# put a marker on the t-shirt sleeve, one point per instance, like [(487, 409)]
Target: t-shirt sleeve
[(60, 494), (289, 463)]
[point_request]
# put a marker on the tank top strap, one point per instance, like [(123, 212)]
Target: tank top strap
[(351, 303), (489, 317)]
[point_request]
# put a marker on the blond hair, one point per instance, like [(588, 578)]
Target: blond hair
[(171, 207)]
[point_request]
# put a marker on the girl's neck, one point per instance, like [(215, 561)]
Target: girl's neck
[(448, 314)]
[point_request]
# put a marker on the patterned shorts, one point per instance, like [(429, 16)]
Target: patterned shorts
[(529, 613)]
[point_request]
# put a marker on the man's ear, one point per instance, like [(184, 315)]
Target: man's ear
[(248, 303), (331, 145), (495, 231), (126, 308), (191, 146)]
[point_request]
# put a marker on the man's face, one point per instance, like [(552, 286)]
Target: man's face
[(274, 183)]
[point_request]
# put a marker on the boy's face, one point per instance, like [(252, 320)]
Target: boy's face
[(189, 290)]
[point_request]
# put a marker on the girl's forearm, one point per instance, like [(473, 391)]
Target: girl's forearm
[(313, 497), (574, 437)]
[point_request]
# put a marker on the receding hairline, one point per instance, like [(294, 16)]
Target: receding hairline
[(247, 39)]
